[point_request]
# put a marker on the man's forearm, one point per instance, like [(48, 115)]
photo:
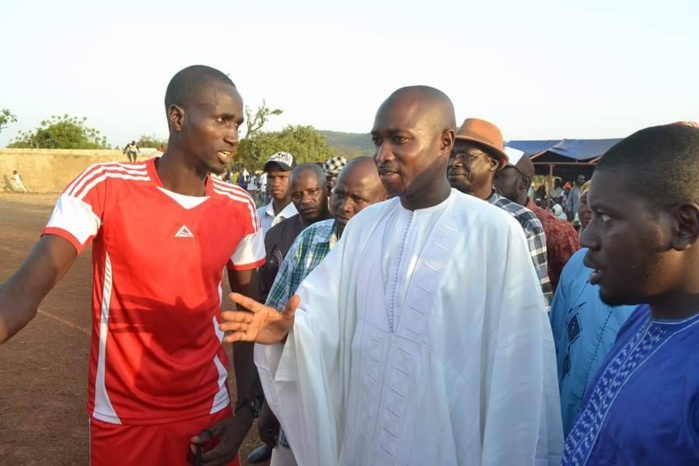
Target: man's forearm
[(21, 294), (246, 377), (15, 313)]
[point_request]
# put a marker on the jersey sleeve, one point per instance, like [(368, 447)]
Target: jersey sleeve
[(77, 216), (250, 252)]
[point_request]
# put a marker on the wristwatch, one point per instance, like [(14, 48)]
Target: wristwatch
[(253, 404)]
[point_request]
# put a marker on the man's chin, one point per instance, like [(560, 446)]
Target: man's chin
[(464, 188), (217, 170), (616, 300)]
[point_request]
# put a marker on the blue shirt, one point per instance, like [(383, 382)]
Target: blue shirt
[(643, 405), (584, 330)]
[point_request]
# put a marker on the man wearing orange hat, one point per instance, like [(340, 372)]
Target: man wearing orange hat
[(477, 155)]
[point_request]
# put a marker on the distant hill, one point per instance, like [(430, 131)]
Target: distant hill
[(349, 144)]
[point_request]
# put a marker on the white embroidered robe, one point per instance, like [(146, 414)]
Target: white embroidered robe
[(442, 356)]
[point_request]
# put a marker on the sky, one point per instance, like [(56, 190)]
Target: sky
[(539, 69)]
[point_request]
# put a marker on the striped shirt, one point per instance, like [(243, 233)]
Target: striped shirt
[(536, 239), (309, 249), (268, 219)]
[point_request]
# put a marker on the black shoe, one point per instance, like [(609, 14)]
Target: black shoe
[(260, 454)]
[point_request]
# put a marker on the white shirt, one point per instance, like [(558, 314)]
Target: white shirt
[(252, 184), (263, 182), (268, 219)]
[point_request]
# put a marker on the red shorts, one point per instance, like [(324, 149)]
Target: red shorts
[(163, 444)]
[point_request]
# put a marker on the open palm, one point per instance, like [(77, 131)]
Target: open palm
[(258, 323)]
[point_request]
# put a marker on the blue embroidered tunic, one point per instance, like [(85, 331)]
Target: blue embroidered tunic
[(642, 407)]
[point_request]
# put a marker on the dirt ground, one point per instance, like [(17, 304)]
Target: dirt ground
[(43, 369)]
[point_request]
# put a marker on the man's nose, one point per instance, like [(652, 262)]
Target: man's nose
[(231, 137), (383, 153)]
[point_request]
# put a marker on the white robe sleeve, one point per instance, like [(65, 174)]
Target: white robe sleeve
[(523, 383), (303, 379)]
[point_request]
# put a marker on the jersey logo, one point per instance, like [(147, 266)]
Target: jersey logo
[(184, 232)]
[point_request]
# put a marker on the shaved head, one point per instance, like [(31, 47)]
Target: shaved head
[(362, 171), (433, 105), (189, 82), (307, 169), (361, 167), (358, 186)]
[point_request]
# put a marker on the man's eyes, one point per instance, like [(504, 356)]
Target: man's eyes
[(377, 140)]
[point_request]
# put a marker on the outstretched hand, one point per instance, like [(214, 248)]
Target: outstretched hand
[(258, 323)]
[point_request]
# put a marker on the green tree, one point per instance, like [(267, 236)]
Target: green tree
[(6, 117), (151, 141), (64, 132), (304, 142)]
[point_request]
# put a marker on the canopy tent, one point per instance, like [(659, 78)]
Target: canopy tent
[(566, 158)]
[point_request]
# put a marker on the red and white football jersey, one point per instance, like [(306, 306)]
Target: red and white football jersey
[(158, 258)]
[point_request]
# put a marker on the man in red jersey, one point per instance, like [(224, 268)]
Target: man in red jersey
[(157, 381)]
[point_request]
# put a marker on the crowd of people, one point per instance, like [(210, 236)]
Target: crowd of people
[(421, 306), (562, 199)]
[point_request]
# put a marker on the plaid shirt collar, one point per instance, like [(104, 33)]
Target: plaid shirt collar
[(325, 232)]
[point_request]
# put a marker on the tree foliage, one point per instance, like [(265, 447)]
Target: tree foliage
[(61, 132), (151, 141), (304, 142), (6, 117)]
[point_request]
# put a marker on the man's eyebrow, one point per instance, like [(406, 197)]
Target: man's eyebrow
[(601, 205)]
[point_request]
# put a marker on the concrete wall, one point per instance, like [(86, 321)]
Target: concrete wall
[(50, 170)]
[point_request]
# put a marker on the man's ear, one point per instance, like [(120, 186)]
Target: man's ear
[(447, 140), (493, 165), (685, 226), (524, 182), (175, 117)]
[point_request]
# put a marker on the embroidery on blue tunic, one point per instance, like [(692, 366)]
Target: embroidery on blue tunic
[(566, 363), (574, 328), (637, 351)]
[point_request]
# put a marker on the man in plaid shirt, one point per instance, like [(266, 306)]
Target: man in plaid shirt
[(358, 186), (477, 155), (561, 238)]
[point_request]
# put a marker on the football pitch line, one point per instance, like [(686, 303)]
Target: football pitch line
[(64, 322)]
